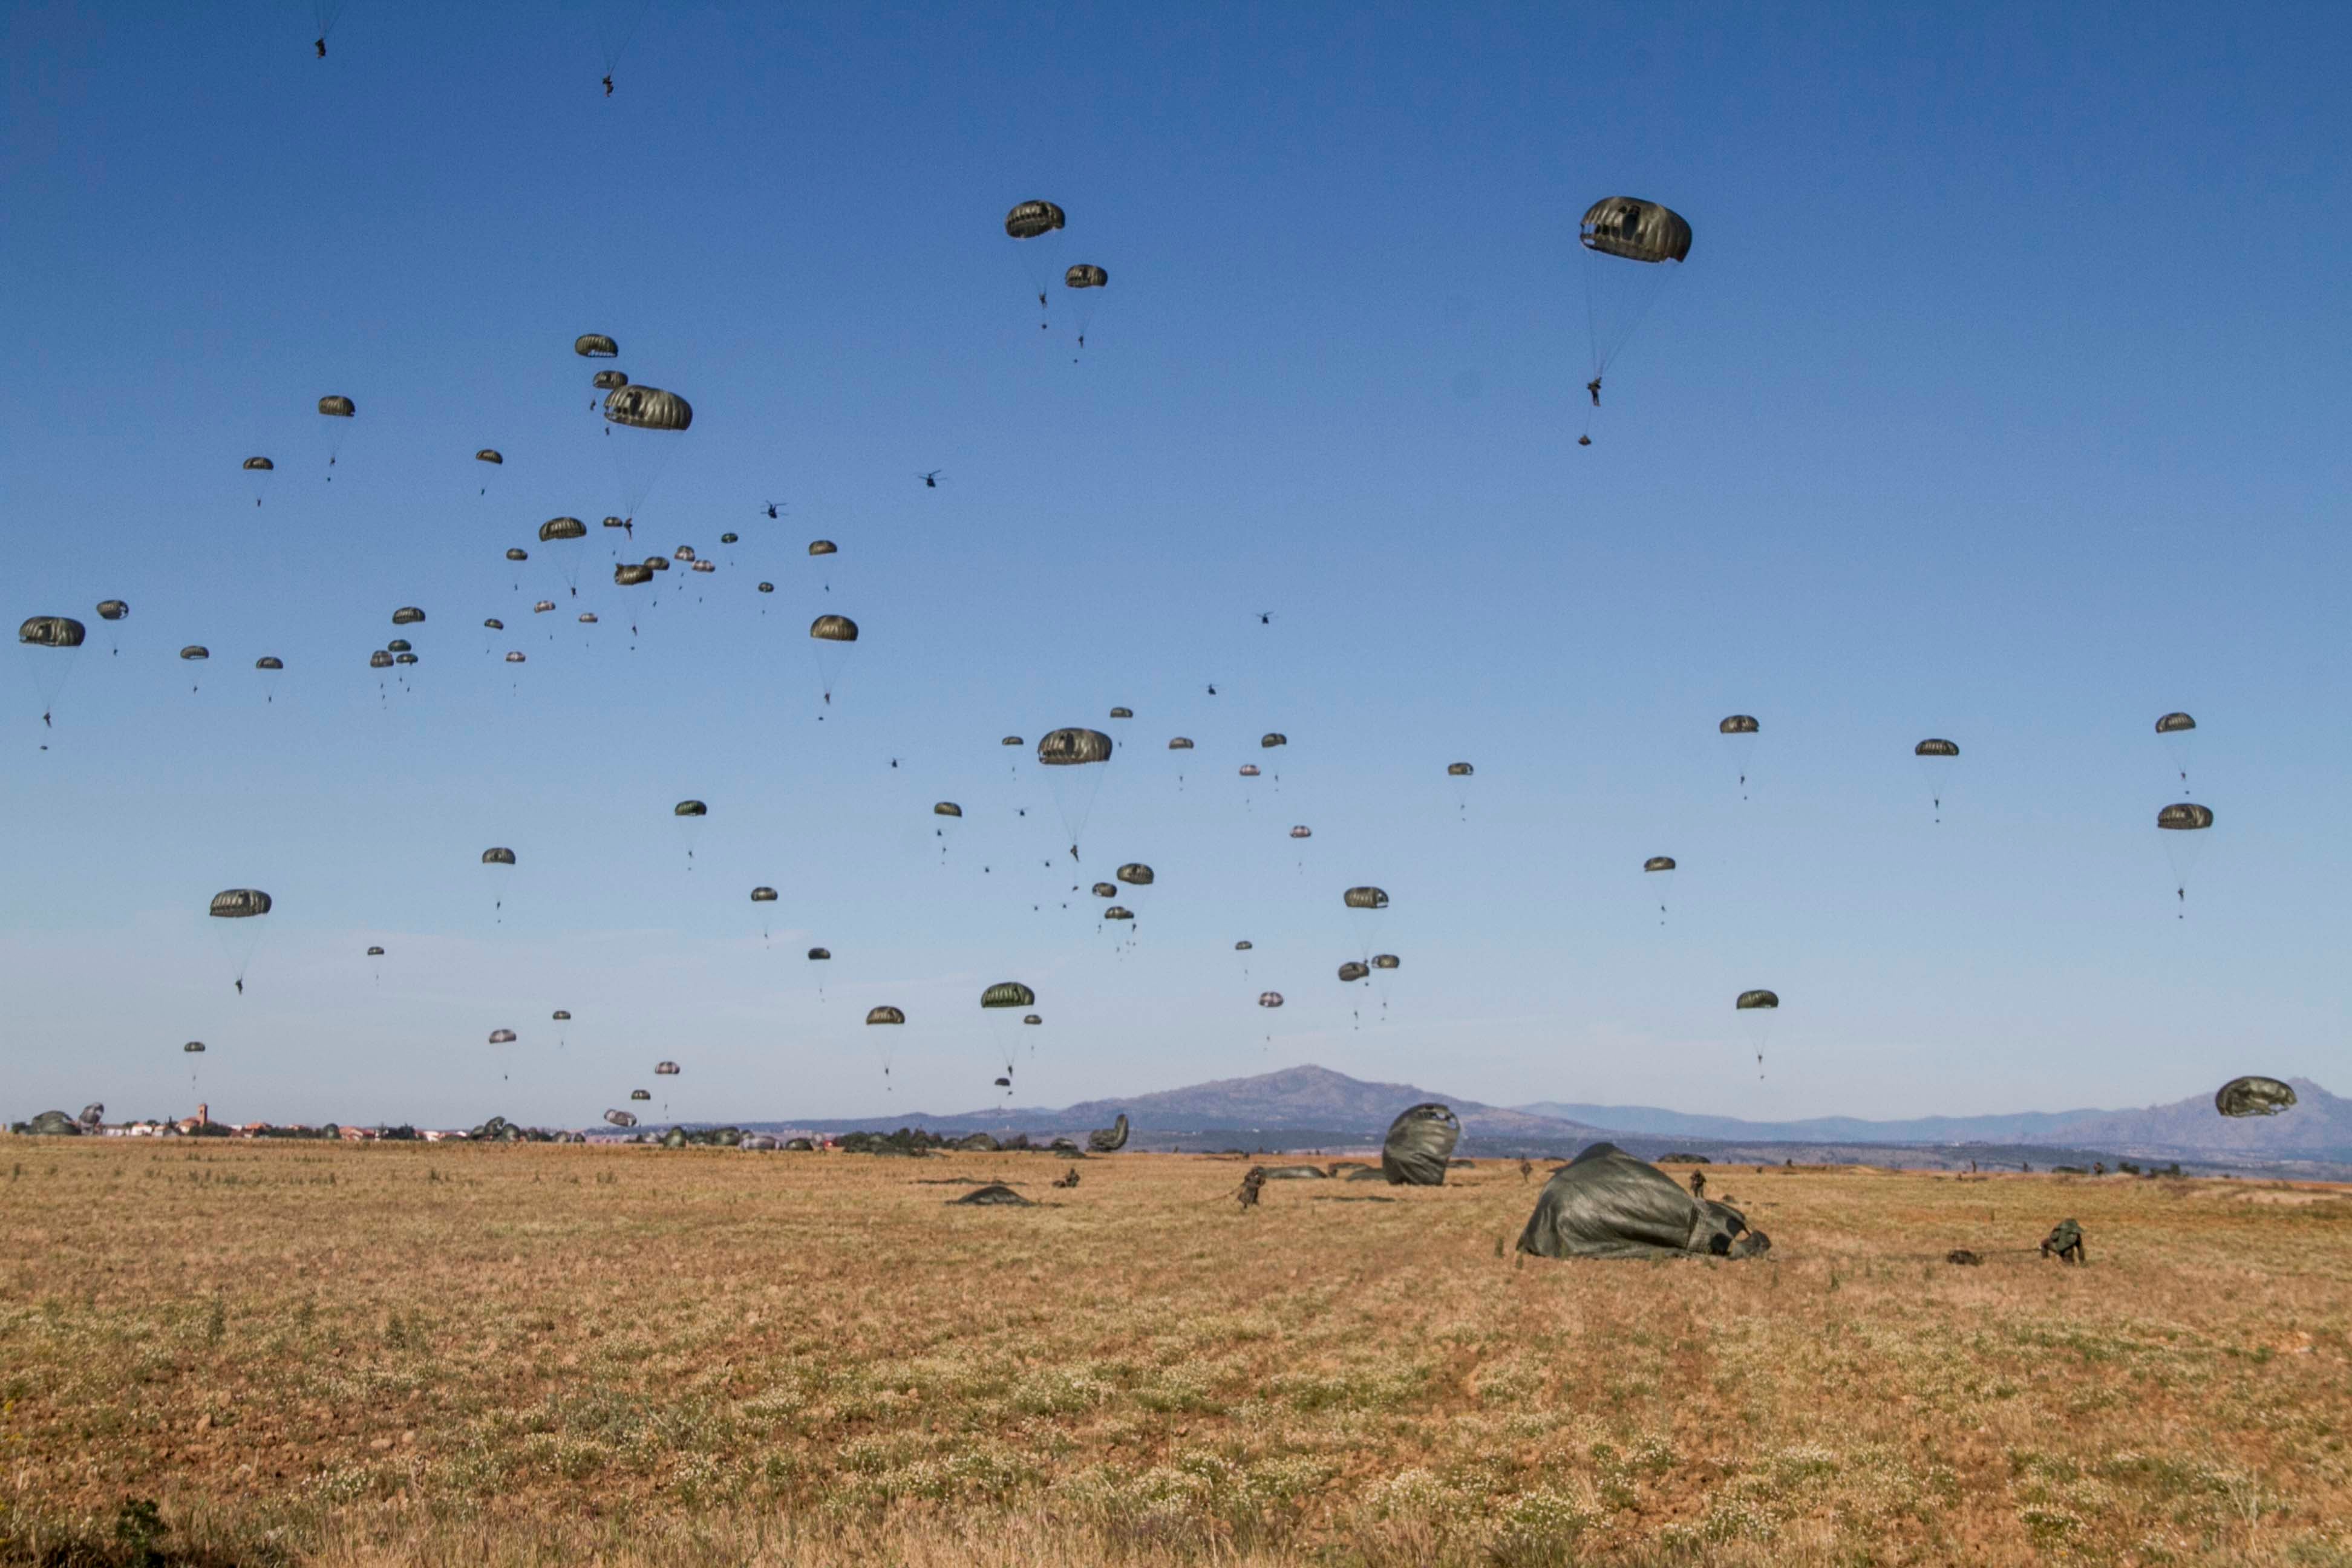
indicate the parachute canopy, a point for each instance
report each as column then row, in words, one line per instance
column 689, row 808
column 498, row 855
column 620, row 1118
column 563, row 528
column 2173, row 723
column 194, row 1048
column 239, row 903
column 1659, row 863
column 112, row 610
column 1365, row 899
column 516, row 655
column 1607, row 1204
column 494, row 624
column 1635, row 230
column 641, row 1094
column 379, row 659
column 1935, row 748
column 397, row 644
column 824, row 547
column 666, row 1069
column 1352, row 972
column 1272, row 739
column 1752, row 1000
column 269, row 661
column 1249, row 770
column 561, row 1015
column 648, row 408
column 1030, row 220
column 1244, row 946
column 1085, row 275
column 260, row 465
column 1269, row 999
column 1739, row 724
column 1459, row 770
column 607, row 380
column 594, row 345
column 628, row 573
column 1013, row 741
column 375, row 953
column 489, row 455
column 947, row 809
column 1386, row 961
column 820, row 954
column 1180, row 743
column 1067, row 748
column 767, row 588
column 2254, row 1097
column 517, row 552
column 1302, row 831
column 1122, row 713
column 1119, row 912
column 1008, row 993
column 336, row 408
column 1419, row 1140
column 885, row 1016
column 52, row 631
column 406, row 615
column 1106, row 889
column 834, row 628
column 2187, row 817
column 764, row 895
column 1136, row 874
column 502, row 1036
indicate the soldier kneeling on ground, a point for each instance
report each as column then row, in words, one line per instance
column 2064, row 1241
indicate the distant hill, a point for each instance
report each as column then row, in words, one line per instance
column 2318, row 1128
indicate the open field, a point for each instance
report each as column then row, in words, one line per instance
column 385, row 1354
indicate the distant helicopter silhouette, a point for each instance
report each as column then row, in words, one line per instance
column 1265, row 618
column 931, row 480
column 770, row 507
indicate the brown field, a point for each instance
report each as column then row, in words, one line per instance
column 450, row 1354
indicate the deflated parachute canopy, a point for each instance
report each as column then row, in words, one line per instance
column 563, row 528
column 239, row 903
column 1635, row 230
column 1108, row 1140
column 52, row 631
column 648, row 408
column 1067, row 747
column 1030, row 220
column 1008, row 993
column 1607, row 1204
column 594, row 345
column 2254, row 1097
column 1420, row 1142
column 885, row 1016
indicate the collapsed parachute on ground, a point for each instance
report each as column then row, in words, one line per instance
column 643, row 407
column 1419, row 1140
column 1607, row 1204
column 2254, row 1096
column 595, row 345
column 1108, row 1140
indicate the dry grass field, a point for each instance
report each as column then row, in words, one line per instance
column 447, row 1354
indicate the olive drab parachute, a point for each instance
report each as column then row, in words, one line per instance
column 50, row 641
column 1119, row 912
column 397, row 644
column 1269, row 999
column 620, row 1118
column 1419, row 1143
column 1087, row 281
column 1008, row 993
column 1032, row 1019
column 258, row 466
column 375, row 953
column 257, row 471
column 1084, row 276
column 666, row 1069
column 2254, row 1096
column 502, row 1036
column 1106, row 889
column 764, row 895
column 1027, row 223
column 689, row 815
column 641, row 1094
column 824, row 547
column 607, row 380
column 1365, row 899
column 643, row 426
column 1459, row 770
column 1068, row 753
column 1742, row 731
column 563, row 528
column 408, row 615
column 194, row 1048
column 643, row 407
column 885, row 1045
column 112, row 610
column 517, row 552
column 885, row 1016
column 1386, row 961
column 595, row 345
column 767, row 588
column 705, row 566
column 947, row 809
column 1244, row 946
column 1761, row 1008
column 1630, row 247
column 1302, row 831
column 494, row 624
column 516, row 655
column 831, row 636
column 2178, row 734
column 1272, row 739
column 239, row 910
column 2184, row 825
column 683, row 553
column 1934, row 756
column 1249, row 770
column 489, row 455
column 1122, row 713
column 729, row 538
column 269, row 661
column 380, row 659
column 819, row 955
column 411, row 658
column 337, row 408
column 1136, row 875
column 1180, row 743
column 561, row 1015
column 628, row 573
column 1352, row 972
column 1661, row 865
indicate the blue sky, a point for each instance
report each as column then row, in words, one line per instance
column 2001, row 399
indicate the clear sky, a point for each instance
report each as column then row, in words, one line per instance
column 2001, row 399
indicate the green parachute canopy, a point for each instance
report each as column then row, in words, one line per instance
column 2173, row 723
column 1607, row 1204
column 764, row 895
column 1180, row 743
column 1352, row 972
column 1085, row 275
column 1122, row 713
column 1659, row 863
column 406, row 615
column 112, row 610
column 52, row 631
column 1067, row 747
column 497, row 856
column 1030, row 220
column 336, row 408
column 1269, row 999
column 1739, row 724
column 1365, row 899
column 885, row 1016
column 269, row 661
column 1635, row 230
column 1008, row 993
column 1752, row 1000
column 259, row 465
column 643, row 407
column 1420, row 1142
column 2254, row 1097
column 824, row 547
column 689, row 808
column 834, row 628
column 563, row 528
column 594, row 345
column 1459, row 770
column 947, row 809
column 1935, row 748
column 607, row 380
column 1136, row 874
column 239, row 903
column 489, row 455
column 819, row 955
column 2185, row 817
